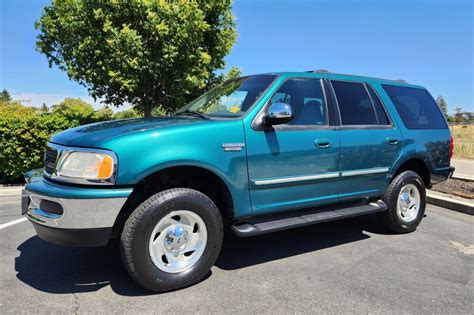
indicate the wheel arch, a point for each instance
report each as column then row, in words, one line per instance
column 417, row 165
column 190, row 176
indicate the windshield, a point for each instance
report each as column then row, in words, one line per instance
column 230, row 99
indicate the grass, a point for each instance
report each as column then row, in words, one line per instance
column 463, row 141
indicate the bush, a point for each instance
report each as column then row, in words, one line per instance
column 128, row 113
column 23, row 136
column 24, row 131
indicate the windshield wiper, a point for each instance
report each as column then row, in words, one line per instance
column 188, row 112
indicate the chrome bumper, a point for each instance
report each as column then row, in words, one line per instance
column 71, row 213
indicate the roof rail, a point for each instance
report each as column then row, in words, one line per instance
column 354, row 75
column 319, row 71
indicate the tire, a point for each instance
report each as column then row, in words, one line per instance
column 137, row 248
column 394, row 217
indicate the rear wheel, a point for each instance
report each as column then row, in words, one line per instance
column 406, row 201
column 172, row 239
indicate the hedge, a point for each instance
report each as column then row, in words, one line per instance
column 23, row 135
column 24, row 131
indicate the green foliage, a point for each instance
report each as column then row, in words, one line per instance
column 158, row 112
column 23, row 135
column 105, row 113
column 128, row 113
column 5, row 96
column 24, row 131
column 442, row 105
column 147, row 53
column 458, row 114
column 75, row 109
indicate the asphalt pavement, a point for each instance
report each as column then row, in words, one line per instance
column 349, row 266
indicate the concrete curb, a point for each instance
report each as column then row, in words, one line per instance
column 465, row 178
column 450, row 203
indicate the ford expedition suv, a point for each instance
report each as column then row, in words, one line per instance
column 257, row 154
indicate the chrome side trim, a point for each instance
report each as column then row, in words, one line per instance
column 283, row 180
column 375, row 170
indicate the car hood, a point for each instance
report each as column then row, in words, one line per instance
column 93, row 135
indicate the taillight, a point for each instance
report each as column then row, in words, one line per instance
column 451, row 147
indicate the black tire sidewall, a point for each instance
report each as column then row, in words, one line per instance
column 402, row 180
column 150, row 275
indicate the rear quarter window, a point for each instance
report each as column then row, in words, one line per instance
column 416, row 107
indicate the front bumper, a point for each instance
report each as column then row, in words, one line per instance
column 74, row 216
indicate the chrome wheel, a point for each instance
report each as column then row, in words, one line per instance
column 409, row 202
column 178, row 241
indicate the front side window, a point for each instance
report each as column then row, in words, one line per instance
column 306, row 98
column 354, row 103
column 416, row 107
column 230, row 99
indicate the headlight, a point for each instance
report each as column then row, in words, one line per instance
column 86, row 165
column 80, row 165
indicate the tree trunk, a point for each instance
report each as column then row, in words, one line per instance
column 147, row 110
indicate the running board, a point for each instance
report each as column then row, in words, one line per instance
column 251, row 229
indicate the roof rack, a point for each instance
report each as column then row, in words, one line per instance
column 354, row 75
column 319, row 71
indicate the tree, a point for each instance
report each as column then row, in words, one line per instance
column 105, row 113
column 44, row 108
column 128, row 113
column 75, row 110
column 442, row 105
column 458, row 114
column 5, row 96
column 147, row 53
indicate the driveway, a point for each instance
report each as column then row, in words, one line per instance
column 349, row 266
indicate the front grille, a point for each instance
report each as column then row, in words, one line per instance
column 50, row 160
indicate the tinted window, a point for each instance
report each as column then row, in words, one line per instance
column 306, row 97
column 416, row 107
column 381, row 115
column 354, row 103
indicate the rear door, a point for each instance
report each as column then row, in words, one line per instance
column 370, row 142
column 294, row 165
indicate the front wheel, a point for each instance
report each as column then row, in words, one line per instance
column 406, row 201
column 172, row 239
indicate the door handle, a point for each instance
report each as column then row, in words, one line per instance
column 392, row 140
column 322, row 143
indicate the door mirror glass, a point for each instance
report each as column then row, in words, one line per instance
column 278, row 113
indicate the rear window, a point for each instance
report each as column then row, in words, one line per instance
column 416, row 107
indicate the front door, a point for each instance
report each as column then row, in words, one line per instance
column 294, row 165
column 370, row 143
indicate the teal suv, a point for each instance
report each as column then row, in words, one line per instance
column 257, row 154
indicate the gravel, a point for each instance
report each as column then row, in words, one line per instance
column 456, row 187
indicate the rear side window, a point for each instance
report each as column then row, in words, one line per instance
column 416, row 107
column 354, row 103
column 381, row 115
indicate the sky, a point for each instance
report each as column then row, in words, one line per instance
column 426, row 42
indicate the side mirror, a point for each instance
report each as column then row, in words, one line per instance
column 278, row 113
